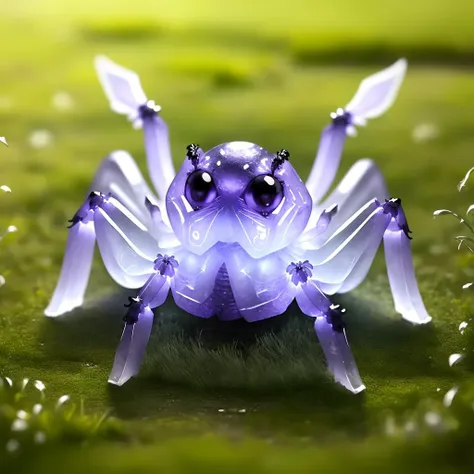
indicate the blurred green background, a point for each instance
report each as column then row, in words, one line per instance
column 267, row 72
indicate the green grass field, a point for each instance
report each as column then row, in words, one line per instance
column 271, row 76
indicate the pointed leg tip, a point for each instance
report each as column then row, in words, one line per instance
column 119, row 380
column 359, row 389
column 355, row 389
column 54, row 312
column 417, row 321
column 116, row 381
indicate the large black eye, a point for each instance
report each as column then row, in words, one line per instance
column 264, row 193
column 200, row 188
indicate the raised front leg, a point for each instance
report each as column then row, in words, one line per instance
column 126, row 96
column 375, row 95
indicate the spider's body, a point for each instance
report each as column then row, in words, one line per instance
column 236, row 233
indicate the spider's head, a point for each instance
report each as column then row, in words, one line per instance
column 240, row 193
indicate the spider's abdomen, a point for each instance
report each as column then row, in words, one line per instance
column 223, row 297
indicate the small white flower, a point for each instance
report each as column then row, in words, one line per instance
column 454, row 358
column 39, row 385
column 62, row 400
column 463, row 325
column 449, row 396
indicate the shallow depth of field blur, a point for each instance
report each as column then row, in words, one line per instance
column 228, row 396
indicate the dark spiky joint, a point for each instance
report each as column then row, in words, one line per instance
column 192, row 153
column 281, row 156
column 150, row 109
column 135, row 307
column 393, row 206
column 335, row 319
column 341, row 118
column 93, row 201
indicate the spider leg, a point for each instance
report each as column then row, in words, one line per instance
column 158, row 153
column 127, row 249
column 138, row 325
column 344, row 260
column 126, row 96
column 362, row 182
column 75, row 270
column 119, row 176
column 374, row 96
column 327, row 160
column 331, row 333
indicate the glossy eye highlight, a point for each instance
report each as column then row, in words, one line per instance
column 264, row 193
column 200, row 189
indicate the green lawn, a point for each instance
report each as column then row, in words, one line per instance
column 257, row 75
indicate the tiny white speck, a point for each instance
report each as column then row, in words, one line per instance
column 12, row 445
column 40, row 437
column 62, row 101
column 9, row 381
column 2, row 280
column 37, row 409
column 390, row 427
column 218, row 163
column 11, row 229
column 242, row 410
column 466, row 286
column 5, row 188
column 449, row 396
column 438, row 249
column 425, row 132
column 40, row 138
column 195, row 235
column 454, row 358
column 222, row 151
column 4, row 141
column 22, row 415
column 5, row 103
column 221, row 410
column 246, row 166
column 410, row 427
column 433, row 419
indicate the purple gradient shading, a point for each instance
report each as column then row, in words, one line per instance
column 401, row 275
column 76, row 268
column 338, row 355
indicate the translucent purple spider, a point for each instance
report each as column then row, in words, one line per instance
column 236, row 233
